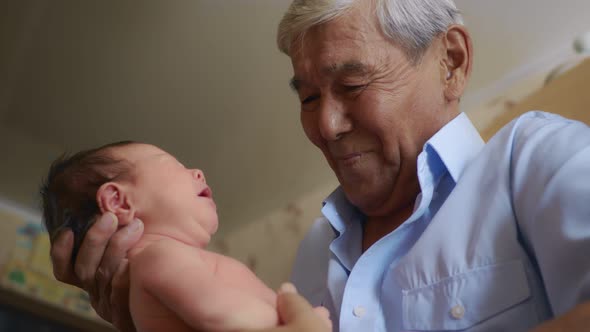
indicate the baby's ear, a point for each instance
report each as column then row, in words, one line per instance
column 112, row 197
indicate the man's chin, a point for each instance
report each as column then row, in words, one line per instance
column 360, row 200
column 368, row 199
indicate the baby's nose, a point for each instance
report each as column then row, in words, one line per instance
column 198, row 175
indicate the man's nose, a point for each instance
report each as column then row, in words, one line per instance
column 334, row 121
column 198, row 175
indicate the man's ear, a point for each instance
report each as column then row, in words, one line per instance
column 113, row 197
column 457, row 61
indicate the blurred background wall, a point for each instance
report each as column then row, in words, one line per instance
column 203, row 79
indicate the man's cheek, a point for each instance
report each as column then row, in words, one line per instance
column 312, row 133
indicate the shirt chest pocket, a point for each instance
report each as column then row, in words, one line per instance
column 478, row 297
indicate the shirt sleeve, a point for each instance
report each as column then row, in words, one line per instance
column 550, row 179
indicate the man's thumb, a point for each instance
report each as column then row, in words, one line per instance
column 291, row 305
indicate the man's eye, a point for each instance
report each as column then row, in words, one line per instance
column 309, row 100
column 354, row 88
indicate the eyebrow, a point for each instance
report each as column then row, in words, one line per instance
column 350, row 67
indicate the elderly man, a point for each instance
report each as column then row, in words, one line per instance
column 430, row 229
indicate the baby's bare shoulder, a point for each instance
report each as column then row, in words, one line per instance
column 165, row 257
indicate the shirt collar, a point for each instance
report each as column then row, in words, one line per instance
column 456, row 144
column 339, row 211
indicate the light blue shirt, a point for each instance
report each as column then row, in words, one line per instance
column 499, row 239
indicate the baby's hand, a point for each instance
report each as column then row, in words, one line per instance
column 324, row 315
column 297, row 315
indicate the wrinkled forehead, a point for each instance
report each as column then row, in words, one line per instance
column 338, row 49
column 351, row 42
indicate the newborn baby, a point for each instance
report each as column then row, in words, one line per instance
column 175, row 284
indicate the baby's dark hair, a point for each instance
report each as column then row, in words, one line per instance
column 68, row 193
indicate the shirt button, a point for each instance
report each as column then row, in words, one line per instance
column 359, row 311
column 457, row 312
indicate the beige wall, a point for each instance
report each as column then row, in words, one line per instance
column 566, row 95
column 22, row 156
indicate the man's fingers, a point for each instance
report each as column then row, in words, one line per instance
column 577, row 319
column 116, row 251
column 125, row 238
column 291, row 305
column 120, row 287
column 61, row 257
column 296, row 314
column 322, row 312
column 92, row 249
column 121, row 317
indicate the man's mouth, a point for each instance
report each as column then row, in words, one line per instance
column 349, row 158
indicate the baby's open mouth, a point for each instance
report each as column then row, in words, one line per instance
column 206, row 193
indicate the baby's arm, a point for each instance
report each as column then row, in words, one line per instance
column 236, row 274
column 185, row 283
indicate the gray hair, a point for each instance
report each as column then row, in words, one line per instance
column 412, row 24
